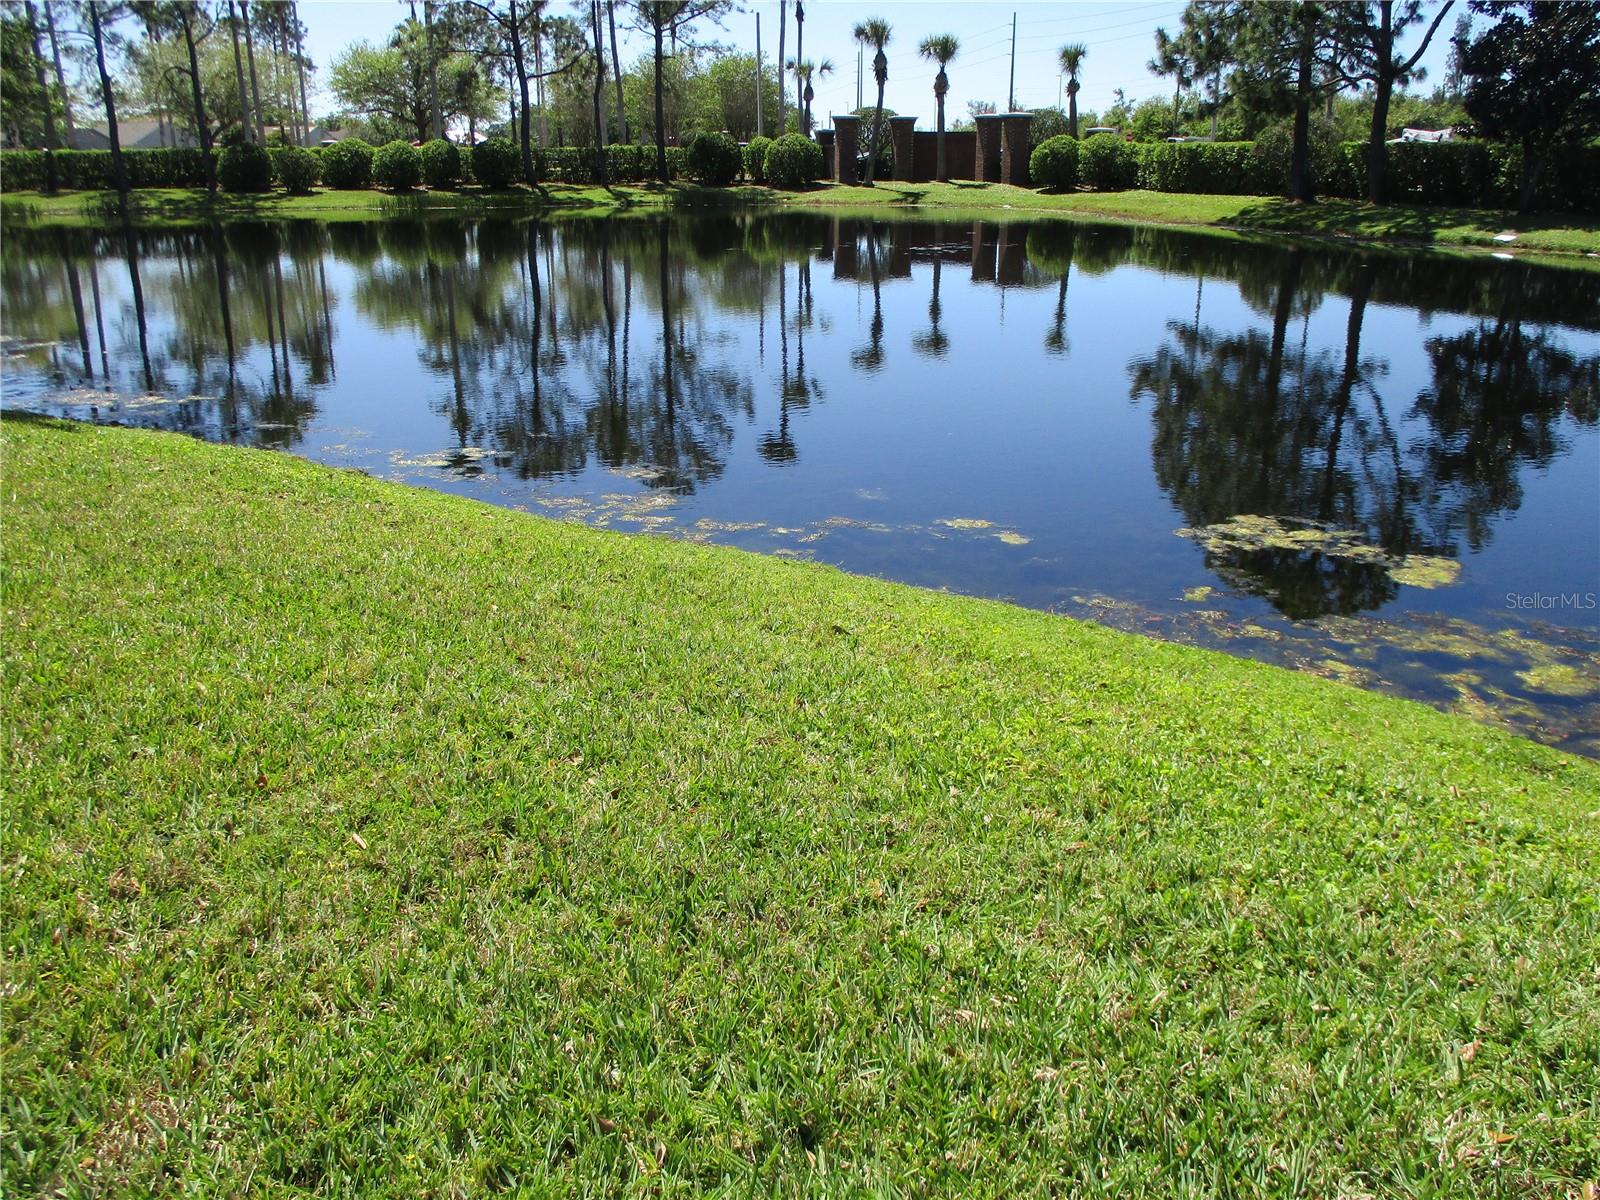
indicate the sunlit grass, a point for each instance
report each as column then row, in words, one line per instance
column 1550, row 234
column 368, row 841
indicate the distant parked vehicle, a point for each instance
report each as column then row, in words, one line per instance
column 1094, row 129
column 1424, row 135
column 1179, row 139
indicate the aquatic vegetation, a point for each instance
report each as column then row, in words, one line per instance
column 1561, row 679
column 455, row 456
column 1246, row 533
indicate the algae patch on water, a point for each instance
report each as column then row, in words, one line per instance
column 1559, row 679
column 1248, row 533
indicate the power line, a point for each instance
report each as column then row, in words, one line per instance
column 1147, row 22
column 1055, row 21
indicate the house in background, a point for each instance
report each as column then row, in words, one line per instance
column 138, row 133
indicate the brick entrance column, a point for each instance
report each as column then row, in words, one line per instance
column 902, row 137
column 846, row 147
column 1014, row 150
column 986, row 165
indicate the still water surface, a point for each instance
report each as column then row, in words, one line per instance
column 1071, row 417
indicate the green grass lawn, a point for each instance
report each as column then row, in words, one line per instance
column 1552, row 235
column 367, row 841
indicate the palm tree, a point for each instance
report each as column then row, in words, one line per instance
column 1172, row 58
column 1071, row 59
column 803, row 74
column 940, row 48
column 874, row 32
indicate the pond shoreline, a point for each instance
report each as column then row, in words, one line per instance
column 478, row 808
column 1568, row 240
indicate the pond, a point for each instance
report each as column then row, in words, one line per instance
column 1380, row 467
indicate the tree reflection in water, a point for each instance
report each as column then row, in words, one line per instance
column 1244, row 426
column 547, row 350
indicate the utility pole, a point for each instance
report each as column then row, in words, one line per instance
column 761, row 128
column 1011, row 101
column 861, row 52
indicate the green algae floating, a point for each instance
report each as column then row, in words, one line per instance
column 1559, row 679
column 1248, row 532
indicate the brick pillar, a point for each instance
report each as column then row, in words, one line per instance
column 902, row 137
column 846, row 147
column 986, row 163
column 1014, row 151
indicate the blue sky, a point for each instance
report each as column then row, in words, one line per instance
column 1119, row 35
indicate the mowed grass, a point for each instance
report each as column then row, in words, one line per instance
column 1571, row 238
column 365, row 841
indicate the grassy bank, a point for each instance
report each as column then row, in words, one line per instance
column 1558, row 234
column 370, row 841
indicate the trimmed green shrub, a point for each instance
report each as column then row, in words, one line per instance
column 1108, row 164
column 755, row 159
column 1275, row 147
column 1216, row 168
column 347, row 164
column 714, row 159
column 624, row 164
column 397, row 165
column 90, row 170
column 23, row 170
column 793, row 161
column 441, row 163
column 296, row 169
column 496, row 163
column 1054, row 163
column 245, row 168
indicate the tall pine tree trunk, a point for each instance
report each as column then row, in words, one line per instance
column 661, row 107
column 519, row 61
column 61, row 77
column 616, row 71
column 1301, row 185
column 186, row 17
column 50, row 146
column 238, row 75
column 599, row 93
column 255, row 86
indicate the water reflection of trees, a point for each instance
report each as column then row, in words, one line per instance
column 1251, row 423
column 241, row 336
column 557, row 347
column 551, row 345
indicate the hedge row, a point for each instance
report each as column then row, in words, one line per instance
column 1472, row 174
column 1476, row 174
column 624, row 164
column 90, row 170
